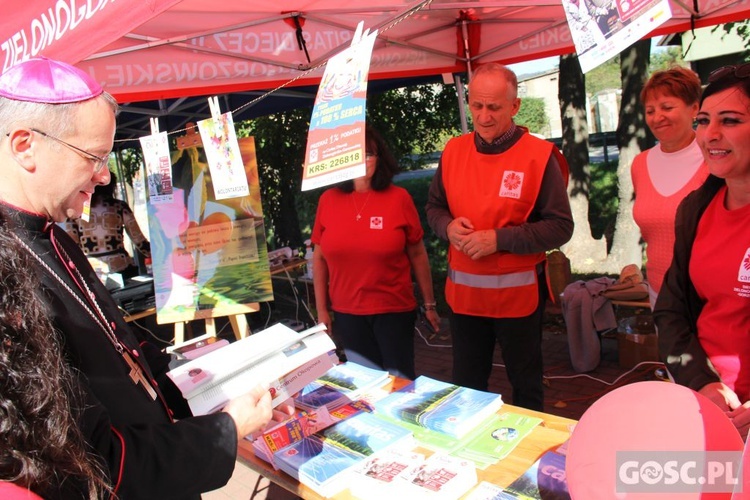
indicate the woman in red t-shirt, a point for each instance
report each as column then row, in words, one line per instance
column 703, row 309
column 368, row 239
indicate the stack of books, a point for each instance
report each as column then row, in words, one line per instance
column 282, row 434
column 341, row 384
column 325, row 461
column 440, row 406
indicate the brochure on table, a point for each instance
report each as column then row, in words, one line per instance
column 325, row 460
column 440, row 406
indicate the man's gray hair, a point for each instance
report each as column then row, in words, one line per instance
column 54, row 119
column 502, row 71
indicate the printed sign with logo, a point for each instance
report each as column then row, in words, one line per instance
column 336, row 139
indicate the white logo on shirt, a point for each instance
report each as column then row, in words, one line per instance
column 744, row 274
column 376, row 222
column 511, row 185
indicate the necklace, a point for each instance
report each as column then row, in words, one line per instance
column 136, row 372
column 357, row 209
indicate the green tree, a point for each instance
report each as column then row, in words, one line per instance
column 280, row 145
column 604, row 76
column 631, row 140
column 665, row 59
column 532, row 115
column 415, row 121
column 583, row 250
column 742, row 29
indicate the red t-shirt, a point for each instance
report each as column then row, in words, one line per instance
column 369, row 270
column 720, row 271
column 11, row 491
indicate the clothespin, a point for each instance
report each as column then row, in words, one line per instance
column 154, row 125
column 213, row 105
column 359, row 34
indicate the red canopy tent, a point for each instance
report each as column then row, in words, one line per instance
column 156, row 49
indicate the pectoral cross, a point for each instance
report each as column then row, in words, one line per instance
column 137, row 375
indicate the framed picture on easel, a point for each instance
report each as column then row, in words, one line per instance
column 209, row 255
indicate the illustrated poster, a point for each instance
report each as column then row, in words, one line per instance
column 158, row 167
column 209, row 255
column 601, row 29
column 223, row 155
column 336, row 139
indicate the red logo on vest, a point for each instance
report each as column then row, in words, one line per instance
column 376, row 223
column 511, row 185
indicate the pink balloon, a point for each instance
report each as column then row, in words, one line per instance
column 643, row 417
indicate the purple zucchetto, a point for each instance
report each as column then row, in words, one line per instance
column 46, row 81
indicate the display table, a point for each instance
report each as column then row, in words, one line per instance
column 552, row 432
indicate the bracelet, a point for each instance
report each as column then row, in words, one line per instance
column 429, row 306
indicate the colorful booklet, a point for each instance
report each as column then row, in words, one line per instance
column 384, row 475
column 325, row 461
column 342, row 383
column 290, row 431
column 440, row 406
column 496, row 438
column 543, row 480
column 440, row 477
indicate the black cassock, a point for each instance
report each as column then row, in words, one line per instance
column 151, row 449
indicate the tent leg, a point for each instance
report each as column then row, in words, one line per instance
column 461, row 94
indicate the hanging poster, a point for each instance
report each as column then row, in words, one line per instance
column 158, row 167
column 601, row 29
column 223, row 155
column 209, row 255
column 336, row 139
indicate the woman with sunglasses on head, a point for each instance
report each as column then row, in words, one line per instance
column 665, row 174
column 368, row 240
column 703, row 309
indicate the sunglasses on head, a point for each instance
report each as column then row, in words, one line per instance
column 740, row 71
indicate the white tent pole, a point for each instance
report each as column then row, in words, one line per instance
column 461, row 94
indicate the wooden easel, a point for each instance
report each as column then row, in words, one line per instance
column 238, row 321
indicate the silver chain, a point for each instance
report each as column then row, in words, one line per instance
column 101, row 320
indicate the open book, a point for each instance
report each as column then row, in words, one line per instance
column 278, row 356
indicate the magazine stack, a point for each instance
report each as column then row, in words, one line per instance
column 440, row 406
column 341, row 384
column 326, row 460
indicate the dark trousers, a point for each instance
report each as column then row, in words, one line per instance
column 382, row 341
column 520, row 340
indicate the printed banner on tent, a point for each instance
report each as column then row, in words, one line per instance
column 158, row 167
column 601, row 29
column 223, row 155
column 336, row 139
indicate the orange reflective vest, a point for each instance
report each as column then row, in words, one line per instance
column 493, row 191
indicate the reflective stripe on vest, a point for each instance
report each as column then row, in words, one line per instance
column 511, row 280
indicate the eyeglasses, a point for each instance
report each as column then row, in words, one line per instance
column 99, row 161
column 740, row 72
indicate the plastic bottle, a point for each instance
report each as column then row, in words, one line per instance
column 149, row 268
column 309, row 259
